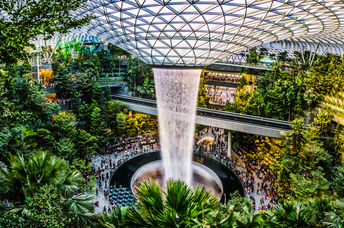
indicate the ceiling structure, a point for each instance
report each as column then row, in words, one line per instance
column 321, row 46
column 200, row 32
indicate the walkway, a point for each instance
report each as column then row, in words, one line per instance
column 221, row 119
column 250, row 175
column 103, row 162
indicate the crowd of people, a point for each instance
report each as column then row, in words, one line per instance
column 217, row 148
column 220, row 95
column 258, row 181
column 222, row 77
column 132, row 144
column 118, row 153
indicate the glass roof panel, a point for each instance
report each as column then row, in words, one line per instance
column 211, row 28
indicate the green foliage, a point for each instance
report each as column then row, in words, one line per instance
column 45, row 209
column 76, row 79
column 39, row 139
column 87, row 87
column 278, row 94
column 66, row 148
column 65, row 87
column 147, row 89
column 140, row 78
column 304, row 187
column 86, row 143
column 289, row 214
column 114, row 117
column 139, row 123
column 338, row 181
column 64, row 125
column 335, row 218
column 296, row 136
column 203, row 99
column 327, row 75
column 306, row 163
column 10, row 220
column 47, row 189
column 25, row 112
column 28, row 19
column 181, row 206
column 283, row 56
column 113, row 219
column 85, row 169
column 98, row 126
column 254, row 56
column 121, row 124
column 24, row 178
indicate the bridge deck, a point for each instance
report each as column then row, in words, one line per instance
column 209, row 117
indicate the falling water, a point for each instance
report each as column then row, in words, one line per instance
column 176, row 92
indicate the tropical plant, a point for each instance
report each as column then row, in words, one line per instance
column 27, row 177
column 27, row 19
column 247, row 218
column 335, row 218
column 316, row 209
column 178, row 206
column 48, row 208
column 289, row 214
column 114, row 219
column 203, row 99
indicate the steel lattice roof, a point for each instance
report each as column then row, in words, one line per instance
column 200, row 32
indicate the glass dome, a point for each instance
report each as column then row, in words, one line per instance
column 200, row 32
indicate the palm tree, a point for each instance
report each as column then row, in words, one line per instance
column 26, row 177
column 43, row 170
column 81, row 208
column 72, row 210
column 113, row 219
column 317, row 209
column 221, row 216
column 335, row 218
column 289, row 214
column 246, row 217
column 178, row 206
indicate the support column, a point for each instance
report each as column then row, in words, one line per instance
column 38, row 68
column 229, row 153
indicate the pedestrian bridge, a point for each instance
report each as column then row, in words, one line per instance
column 215, row 118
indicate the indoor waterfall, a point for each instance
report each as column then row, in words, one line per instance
column 176, row 93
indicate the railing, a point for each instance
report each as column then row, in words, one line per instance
column 195, row 152
column 113, row 74
column 111, row 80
column 232, row 116
column 223, row 163
column 130, row 156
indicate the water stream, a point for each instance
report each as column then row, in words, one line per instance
column 176, row 92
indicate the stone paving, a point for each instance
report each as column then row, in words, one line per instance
column 104, row 185
column 100, row 197
column 257, row 196
column 239, row 165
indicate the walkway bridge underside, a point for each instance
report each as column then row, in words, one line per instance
column 221, row 119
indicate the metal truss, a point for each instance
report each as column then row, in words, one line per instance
column 200, row 32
